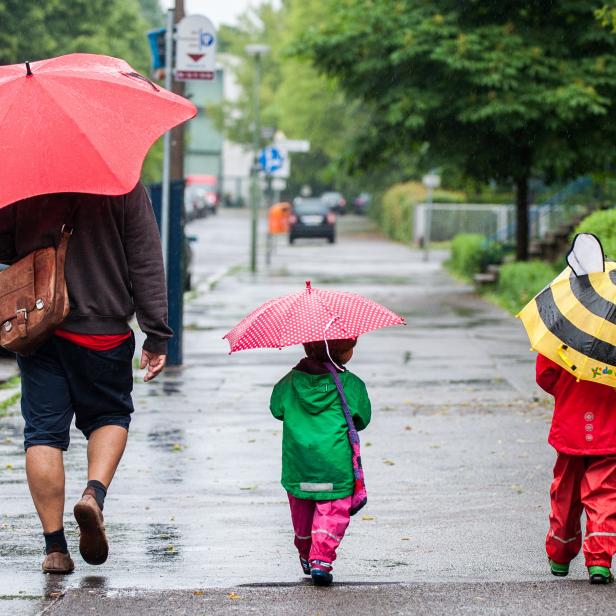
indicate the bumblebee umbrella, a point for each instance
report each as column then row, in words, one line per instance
column 573, row 320
column 79, row 123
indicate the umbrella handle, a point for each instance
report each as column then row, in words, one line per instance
column 565, row 358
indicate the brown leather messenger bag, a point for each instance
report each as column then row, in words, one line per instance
column 33, row 296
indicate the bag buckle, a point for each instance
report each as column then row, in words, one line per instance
column 24, row 311
column 67, row 230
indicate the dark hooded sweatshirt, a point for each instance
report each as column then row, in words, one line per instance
column 114, row 266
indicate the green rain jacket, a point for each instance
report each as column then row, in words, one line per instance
column 316, row 453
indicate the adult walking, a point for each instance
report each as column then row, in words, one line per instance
column 114, row 269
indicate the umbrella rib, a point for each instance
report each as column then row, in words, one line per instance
column 85, row 135
column 335, row 317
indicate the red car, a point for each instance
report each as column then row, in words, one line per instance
column 201, row 195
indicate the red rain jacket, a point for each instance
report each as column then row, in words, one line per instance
column 584, row 421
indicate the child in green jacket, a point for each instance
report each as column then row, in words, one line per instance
column 317, row 468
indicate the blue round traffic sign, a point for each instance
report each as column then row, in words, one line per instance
column 270, row 159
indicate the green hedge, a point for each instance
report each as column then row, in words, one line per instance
column 395, row 211
column 603, row 225
column 466, row 254
column 519, row 282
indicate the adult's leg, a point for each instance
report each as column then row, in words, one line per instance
column 599, row 498
column 330, row 521
column 105, row 449
column 45, row 472
column 564, row 538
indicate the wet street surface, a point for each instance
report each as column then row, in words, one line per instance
column 456, row 459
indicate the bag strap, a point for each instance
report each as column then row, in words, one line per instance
column 353, row 435
column 67, row 231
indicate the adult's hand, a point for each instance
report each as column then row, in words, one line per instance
column 153, row 362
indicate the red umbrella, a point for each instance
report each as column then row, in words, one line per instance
column 308, row 316
column 79, row 123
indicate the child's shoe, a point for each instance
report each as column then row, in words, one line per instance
column 305, row 565
column 320, row 574
column 558, row 569
column 600, row 575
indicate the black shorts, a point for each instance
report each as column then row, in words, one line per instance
column 63, row 379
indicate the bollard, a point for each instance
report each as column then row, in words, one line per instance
column 175, row 264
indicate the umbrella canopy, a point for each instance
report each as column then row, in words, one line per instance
column 573, row 320
column 310, row 315
column 79, row 123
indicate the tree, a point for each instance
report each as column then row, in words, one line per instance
column 506, row 90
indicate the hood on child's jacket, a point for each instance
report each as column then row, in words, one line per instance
column 315, row 392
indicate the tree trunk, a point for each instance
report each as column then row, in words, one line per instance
column 521, row 200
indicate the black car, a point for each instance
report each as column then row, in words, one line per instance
column 311, row 218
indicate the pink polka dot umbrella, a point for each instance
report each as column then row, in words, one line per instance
column 310, row 315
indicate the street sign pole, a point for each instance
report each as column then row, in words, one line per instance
column 257, row 51
column 164, row 217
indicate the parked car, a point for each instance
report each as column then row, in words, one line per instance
column 335, row 201
column 201, row 196
column 361, row 203
column 311, row 217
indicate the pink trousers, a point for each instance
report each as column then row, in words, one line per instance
column 319, row 528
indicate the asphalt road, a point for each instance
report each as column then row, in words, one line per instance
column 456, row 460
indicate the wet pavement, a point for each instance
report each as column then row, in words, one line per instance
column 456, row 459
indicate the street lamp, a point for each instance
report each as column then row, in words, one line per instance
column 257, row 51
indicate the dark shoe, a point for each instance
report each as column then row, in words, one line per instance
column 600, row 575
column 305, row 565
column 559, row 569
column 321, row 578
column 58, row 562
column 92, row 539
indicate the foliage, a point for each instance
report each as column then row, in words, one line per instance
column 302, row 103
column 607, row 15
column 603, row 225
column 466, row 254
column 394, row 211
column 519, row 282
column 505, row 90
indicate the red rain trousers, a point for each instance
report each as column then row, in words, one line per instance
column 583, row 483
column 319, row 528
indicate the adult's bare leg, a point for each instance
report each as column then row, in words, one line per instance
column 105, row 448
column 45, row 472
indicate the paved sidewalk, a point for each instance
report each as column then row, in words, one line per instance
column 456, row 460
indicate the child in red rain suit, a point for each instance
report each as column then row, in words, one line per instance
column 583, row 433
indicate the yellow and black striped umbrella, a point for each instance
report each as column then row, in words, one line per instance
column 573, row 320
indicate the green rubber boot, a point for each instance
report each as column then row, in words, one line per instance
column 600, row 575
column 559, row 569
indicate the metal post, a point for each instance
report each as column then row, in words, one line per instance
column 164, row 216
column 255, row 196
column 428, row 225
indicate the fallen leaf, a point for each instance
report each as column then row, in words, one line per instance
column 233, row 596
column 408, row 427
column 367, row 518
column 389, row 462
column 9, row 467
column 198, row 593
